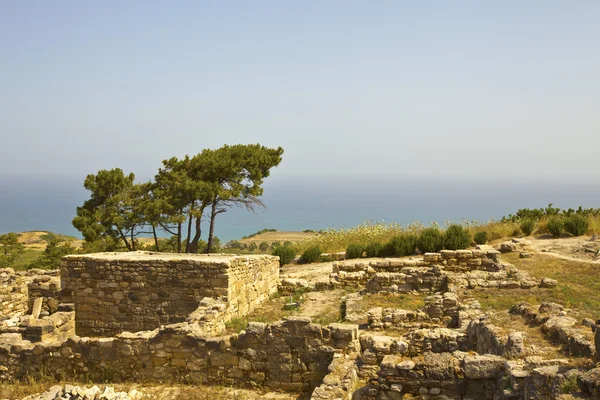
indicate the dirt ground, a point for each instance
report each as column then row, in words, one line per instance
column 279, row 237
column 584, row 248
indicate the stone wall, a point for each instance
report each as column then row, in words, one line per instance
column 576, row 339
column 292, row 355
column 449, row 270
column 15, row 297
column 136, row 291
column 48, row 289
column 486, row 338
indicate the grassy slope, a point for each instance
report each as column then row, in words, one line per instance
column 578, row 285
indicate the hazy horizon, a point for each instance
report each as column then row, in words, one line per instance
column 429, row 89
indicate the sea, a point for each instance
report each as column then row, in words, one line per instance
column 299, row 203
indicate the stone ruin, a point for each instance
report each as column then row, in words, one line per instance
column 160, row 317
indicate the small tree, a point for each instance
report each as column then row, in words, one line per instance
column 527, row 226
column 456, row 237
column 430, row 240
column 10, row 248
column 52, row 255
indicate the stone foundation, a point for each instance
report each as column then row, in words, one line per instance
column 136, row 291
column 292, row 355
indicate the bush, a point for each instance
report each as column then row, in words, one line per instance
column 456, row 237
column 480, row 237
column 263, row 246
column 400, row 246
column 576, row 225
column 555, row 226
column 252, row 247
column 373, row 249
column 527, row 226
column 310, row 255
column 354, row 251
column 430, row 240
column 285, row 253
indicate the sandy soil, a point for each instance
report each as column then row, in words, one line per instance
column 583, row 248
column 279, row 237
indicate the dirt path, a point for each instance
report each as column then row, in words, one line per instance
column 575, row 248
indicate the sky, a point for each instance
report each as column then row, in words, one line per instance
column 348, row 88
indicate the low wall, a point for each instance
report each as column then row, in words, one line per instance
column 575, row 339
column 292, row 355
column 48, row 289
column 15, row 297
column 486, row 338
column 137, row 291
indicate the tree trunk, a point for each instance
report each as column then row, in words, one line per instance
column 189, row 229
column 155, row 238
column 179, row 237
column 213, row 214
column 132, row 240
column 198, row 234
column 125, row 240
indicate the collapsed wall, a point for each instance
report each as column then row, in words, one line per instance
column 293, row 354
column 136, row 291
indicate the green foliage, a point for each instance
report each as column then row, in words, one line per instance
column 354, row 250
column 456, row 237
column 311, row 255
column 401, row 245
column 373, row 249
column 252, row 247
column 213, row 180
column 275, row 244
column 527, row 226
column 10, row 248
column 263, row 246
column 259, row 233
column 576, row 225
column 234, row 244
column 113, row 210
column 54, row 252
column 430, row 240
column 285, row 253
column 480, row 237
column 555, row 226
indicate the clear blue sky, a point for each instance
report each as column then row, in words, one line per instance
column 457, row 88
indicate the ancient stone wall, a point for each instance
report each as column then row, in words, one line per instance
column 116, row 292
column 15, row 297
column 45, row 287
column 293, row 355
column 449, row 270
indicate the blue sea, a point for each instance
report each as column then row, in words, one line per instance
column 299, row 203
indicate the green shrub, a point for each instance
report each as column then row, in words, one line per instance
column 527, row 226
column 263, row 246
column 310, row 255
column 285, row 253
column 400, row 246
column 373, row 249
column 555, row 226
column 480, row 237
column 252, row 247
column 456, row 237
column 430, row 240
column 354, row 251
column 576, row 225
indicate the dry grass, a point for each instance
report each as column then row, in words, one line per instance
column 578, row 281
